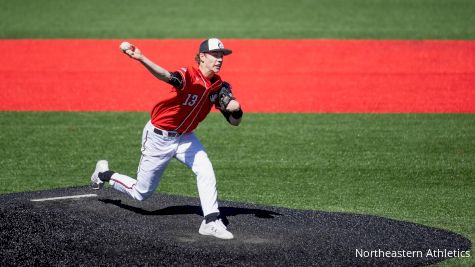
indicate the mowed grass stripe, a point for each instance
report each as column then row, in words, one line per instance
column 340, row 19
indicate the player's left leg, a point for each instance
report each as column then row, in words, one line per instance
column 191, row 152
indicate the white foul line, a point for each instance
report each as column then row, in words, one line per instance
column 66, row 197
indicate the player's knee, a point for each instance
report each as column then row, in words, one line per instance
column 206, row 177
column 142, row 196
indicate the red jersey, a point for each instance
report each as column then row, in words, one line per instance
column 183, row 109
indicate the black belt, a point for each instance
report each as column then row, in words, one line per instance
column 169, row 134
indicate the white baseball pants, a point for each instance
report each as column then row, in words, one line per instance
column 157, row 151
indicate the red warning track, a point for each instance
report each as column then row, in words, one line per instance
column 267, row 75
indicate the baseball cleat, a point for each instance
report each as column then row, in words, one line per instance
column 101, row 166
column 216, row 229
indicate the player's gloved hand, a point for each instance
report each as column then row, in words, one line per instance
column 226, row 99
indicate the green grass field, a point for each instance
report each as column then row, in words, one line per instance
column 413, row 167
column 342, row 19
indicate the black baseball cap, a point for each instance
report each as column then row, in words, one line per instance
column 213, row 44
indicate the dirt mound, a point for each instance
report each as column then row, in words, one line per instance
column 109, row 229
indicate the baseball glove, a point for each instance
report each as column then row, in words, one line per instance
column 225, row 96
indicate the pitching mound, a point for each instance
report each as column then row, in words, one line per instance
column 109, row 229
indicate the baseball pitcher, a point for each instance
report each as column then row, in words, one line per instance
column 169, row 133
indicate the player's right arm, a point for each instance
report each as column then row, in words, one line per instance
column 156, row 70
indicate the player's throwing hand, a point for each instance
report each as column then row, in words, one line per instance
column 131, row 50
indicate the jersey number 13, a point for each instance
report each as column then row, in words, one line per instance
column 190, row 100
